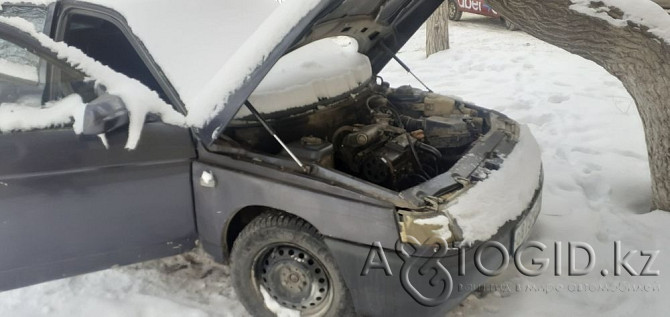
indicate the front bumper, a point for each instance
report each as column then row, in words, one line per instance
column 376, row 294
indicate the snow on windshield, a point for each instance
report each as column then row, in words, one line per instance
column 322, row 69
column 138, row 99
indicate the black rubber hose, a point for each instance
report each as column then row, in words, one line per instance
column 431, row 149
column 417, row 161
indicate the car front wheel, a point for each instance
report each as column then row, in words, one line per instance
column 280, row 263
column 454, row 13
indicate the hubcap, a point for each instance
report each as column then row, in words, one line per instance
column 294, row 279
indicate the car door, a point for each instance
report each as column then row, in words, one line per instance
column 71, row 204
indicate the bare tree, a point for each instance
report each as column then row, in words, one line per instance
column 628, row 50
column 437, row 30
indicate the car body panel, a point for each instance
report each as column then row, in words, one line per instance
column 337, row 212
column 378, row 294
column 102, row 207
column 69, row 205
column 477, row 7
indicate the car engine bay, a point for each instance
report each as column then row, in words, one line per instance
column 395, row 138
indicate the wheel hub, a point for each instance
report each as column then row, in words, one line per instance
column 293, row 278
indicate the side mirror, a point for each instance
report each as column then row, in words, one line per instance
column 104, row 114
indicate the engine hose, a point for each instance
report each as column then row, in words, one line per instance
column 431, row 149
column 337, row 140
column 417, row 161
column 412, row 124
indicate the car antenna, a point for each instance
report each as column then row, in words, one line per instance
column 274, row 134
column 403, row 65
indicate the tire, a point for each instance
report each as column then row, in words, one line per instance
column 510, row 26
column 283, row 252
column 454, row 13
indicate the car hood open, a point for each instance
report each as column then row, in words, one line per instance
column 381, row 28
column 214, row 53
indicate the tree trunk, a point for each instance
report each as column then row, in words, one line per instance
column 638, row 58
column 437, row 30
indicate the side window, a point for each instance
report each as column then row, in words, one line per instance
column 34, row 94
column 18, row 63
column 13, row 54
column 106, row 43
column 37, row 15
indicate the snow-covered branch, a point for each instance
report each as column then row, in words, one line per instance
column 644, row 14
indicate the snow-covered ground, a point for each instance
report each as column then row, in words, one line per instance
column 597, row 190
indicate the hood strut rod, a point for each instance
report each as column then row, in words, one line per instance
column 274, row 134
column 404, row 66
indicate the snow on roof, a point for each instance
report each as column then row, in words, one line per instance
column 642, row 12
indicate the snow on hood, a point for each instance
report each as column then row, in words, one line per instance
column 215, row 52
column 206, row 48
column 192, row 40
column 483, row 209
column 322, row 69
column 242, row 62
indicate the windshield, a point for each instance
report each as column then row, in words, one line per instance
column 319, row 70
